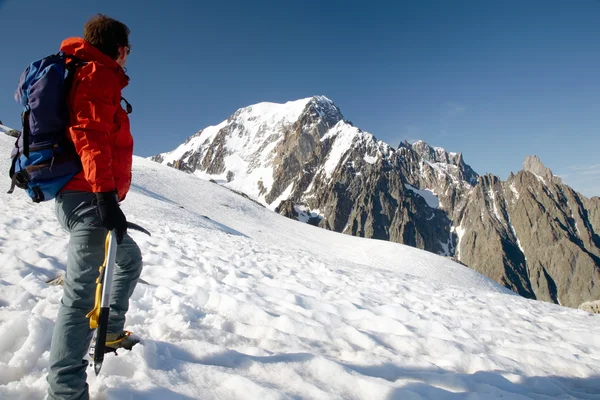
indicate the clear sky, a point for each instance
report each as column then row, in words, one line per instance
column 495, row 80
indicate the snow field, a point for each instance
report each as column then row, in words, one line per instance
column 240, row 303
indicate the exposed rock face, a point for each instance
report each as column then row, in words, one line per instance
column 560, row 244
column 591, row 307
column 487, row 241
column 592, row 209
column 301, row 151
column 531, row 233
column 451, row 182
column 434, row 155
column 534, row 165
column 287, row 209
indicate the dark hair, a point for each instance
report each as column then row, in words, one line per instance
column 106, row 34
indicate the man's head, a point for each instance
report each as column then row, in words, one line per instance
column 110, row 36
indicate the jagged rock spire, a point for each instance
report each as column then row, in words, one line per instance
column 534, row 165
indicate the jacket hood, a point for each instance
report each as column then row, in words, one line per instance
column 85, row 51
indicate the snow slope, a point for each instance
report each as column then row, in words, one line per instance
column 428, row 195
column 241, row 303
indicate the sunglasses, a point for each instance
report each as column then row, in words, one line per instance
column 128, row 50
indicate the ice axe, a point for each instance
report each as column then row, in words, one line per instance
column 99, row 315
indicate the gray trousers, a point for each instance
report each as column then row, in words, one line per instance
column 72, row 334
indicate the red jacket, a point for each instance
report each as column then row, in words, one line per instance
column 98, row 125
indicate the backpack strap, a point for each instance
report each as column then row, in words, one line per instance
column 12, row 186
column 38, row 194
column 26, row 130
column 13, row 181
column 11, row 172
column 18, row 179
column 71, row 65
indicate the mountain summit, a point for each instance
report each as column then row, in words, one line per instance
column 531, row 233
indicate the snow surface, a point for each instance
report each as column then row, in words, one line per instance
column 492, row 196
column 370, row 159
column 460, row 232
column 540, row 178
column 427, row 194
column 515, row 191
column 344, row 135
column 242, row 303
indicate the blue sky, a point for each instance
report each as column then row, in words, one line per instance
column 495, row 80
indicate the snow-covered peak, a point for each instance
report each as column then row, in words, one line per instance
column 320, row 108
column 246, row 128
column 271, row 114
column 274, row 114
column 244, row 151
column 254, row 124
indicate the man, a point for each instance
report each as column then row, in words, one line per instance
column 88, row 206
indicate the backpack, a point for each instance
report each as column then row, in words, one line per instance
column 44, row 158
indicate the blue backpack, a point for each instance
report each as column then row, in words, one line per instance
column 44, row 158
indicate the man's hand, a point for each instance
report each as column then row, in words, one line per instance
column 110, row 213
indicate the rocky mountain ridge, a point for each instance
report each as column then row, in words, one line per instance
column 531, row 233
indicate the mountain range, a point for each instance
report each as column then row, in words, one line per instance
column 531, row 233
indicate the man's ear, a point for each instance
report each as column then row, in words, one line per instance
column 121, row 58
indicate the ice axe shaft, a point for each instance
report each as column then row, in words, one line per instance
column 105, row 303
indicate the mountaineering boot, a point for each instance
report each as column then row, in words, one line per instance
column 114, row 341
column 123, row 340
